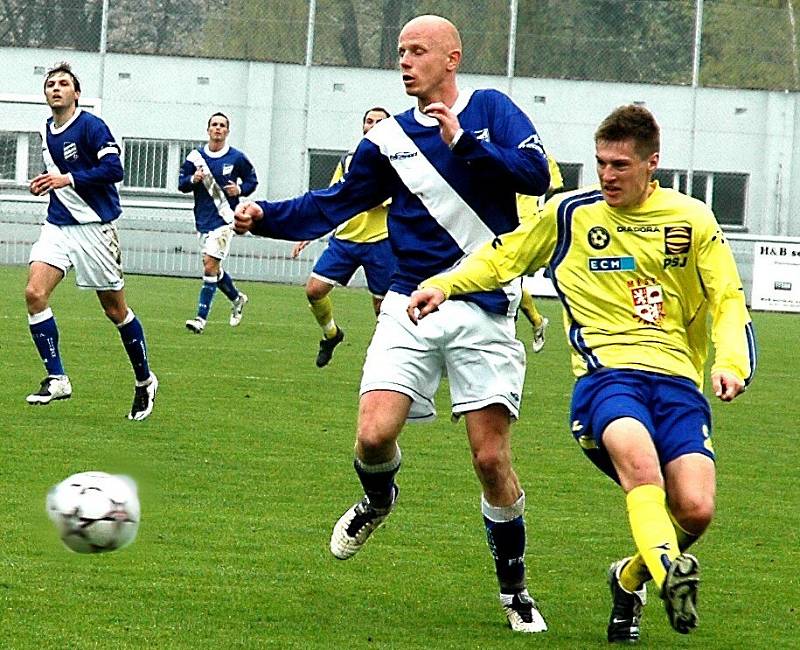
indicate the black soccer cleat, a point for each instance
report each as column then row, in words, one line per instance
column 326, row 346
column 626, row 609
column 679, row 593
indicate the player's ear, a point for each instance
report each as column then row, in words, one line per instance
column 453, row 59
column 652, row 162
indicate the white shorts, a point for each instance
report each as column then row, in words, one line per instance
column 217, row 243
column 484, row 361
column 92, row 248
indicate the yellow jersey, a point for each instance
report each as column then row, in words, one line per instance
column 528, row 206
column 637, row 284
column 366, row 227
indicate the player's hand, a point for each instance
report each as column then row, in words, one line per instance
column 232, row 189
column 245, row 215
column 726, row 385
column 448, row 120
column 199, row 174
column 43, row 183
column 299, row 246
column 423, row 302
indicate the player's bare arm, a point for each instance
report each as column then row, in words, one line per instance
column 43, row 183
column 448, row 120
column 245, row 215
column 423, row 302
column 726, row 385
column 298, row 248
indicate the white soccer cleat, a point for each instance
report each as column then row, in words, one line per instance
column 538, row 335
column 237, row 308
column 522, row 613
column 52, row 387
column 196, row 325
column 144, row 398
column 356, row 525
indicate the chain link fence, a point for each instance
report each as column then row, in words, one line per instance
column 742, row 43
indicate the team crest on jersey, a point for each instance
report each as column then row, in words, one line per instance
column 227, row 169
column 70, row 151
column 481, row 134
column 677, row 240
column 598, row 237
column 648, row 300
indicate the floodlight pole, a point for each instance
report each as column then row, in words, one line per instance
column 103, row 49
column 698, row 41
column 512, row 44
column 312, row 16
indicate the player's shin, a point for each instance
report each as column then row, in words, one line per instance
column 378, row 480
column 505, row 534
column 652, row 529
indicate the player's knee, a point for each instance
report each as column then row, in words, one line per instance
column 35, row 299
column 491, row 465
column 693, row 512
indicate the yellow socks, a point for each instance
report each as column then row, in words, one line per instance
column 652, row 530
column 635, row 573
column 323, row 313
column 528, row 308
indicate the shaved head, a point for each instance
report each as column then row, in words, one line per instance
column 440, row 29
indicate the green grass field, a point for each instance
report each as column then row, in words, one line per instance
column 245, row 465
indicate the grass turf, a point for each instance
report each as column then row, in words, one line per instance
column 245, row 465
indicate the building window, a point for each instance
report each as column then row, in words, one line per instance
column 321, row 165
column 8, row 156
column 154, row 164
column 20, row 156
column 725, row 192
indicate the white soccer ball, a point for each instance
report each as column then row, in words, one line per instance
column 95, row 512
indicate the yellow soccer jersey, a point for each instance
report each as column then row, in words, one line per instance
column 528, row 206
column 637, row 285
column 366, row 227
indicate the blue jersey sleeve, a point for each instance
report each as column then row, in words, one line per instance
column 248, row 175
column 513, row 151
column 369, row 182
column 185, row 183
column 101, row 143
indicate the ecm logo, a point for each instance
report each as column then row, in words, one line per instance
column 602, row 264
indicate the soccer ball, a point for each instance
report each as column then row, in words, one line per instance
column 94, row 512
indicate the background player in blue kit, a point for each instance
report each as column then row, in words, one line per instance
column 83, row 165
column 452, row 167
column 217, row 174
column 641, row 270
column 359, row 242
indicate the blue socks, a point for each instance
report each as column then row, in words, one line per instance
column 132, row 335
column 45, row 337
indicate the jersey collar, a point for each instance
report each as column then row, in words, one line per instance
column 216, row 154
column 65, row 125
column 460, row 104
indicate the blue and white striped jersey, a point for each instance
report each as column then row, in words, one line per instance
column 445, row 203
column 212, row 207
column 84, row 148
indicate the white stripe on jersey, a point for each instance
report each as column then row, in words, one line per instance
column 79, row 209
column 107, row 150
column 422, row 179
column 214, row 190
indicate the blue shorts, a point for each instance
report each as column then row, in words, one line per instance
column 341, row 259
column 672, row 409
